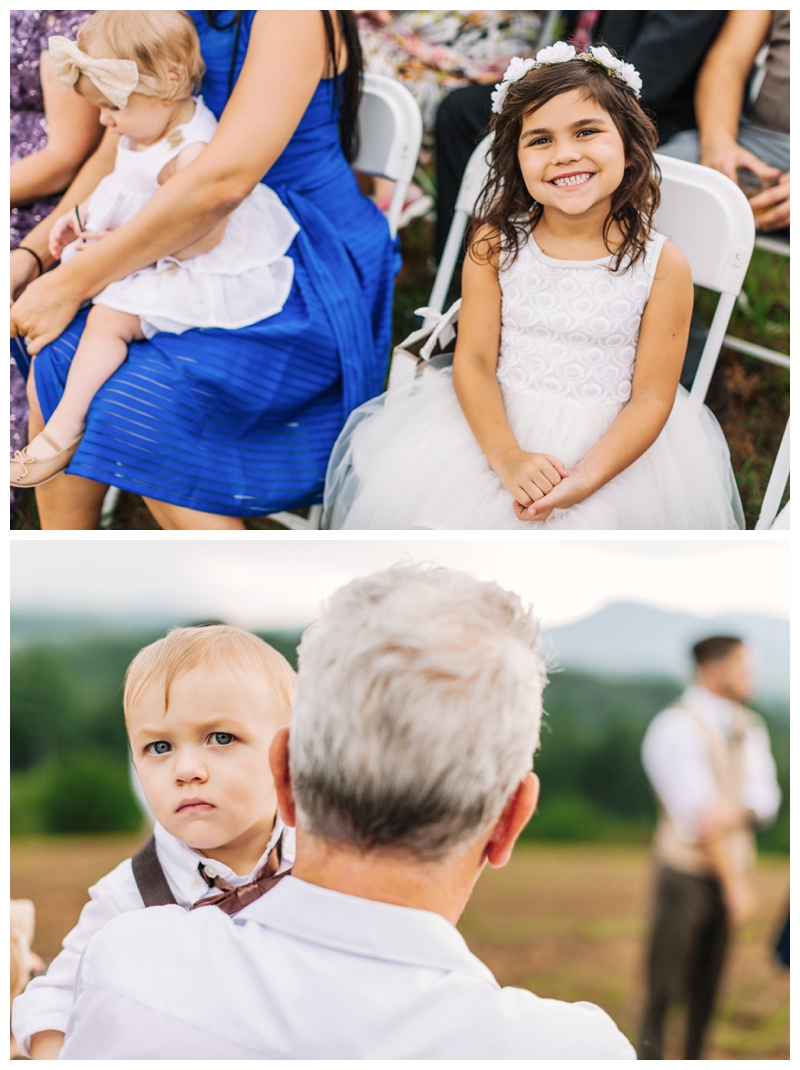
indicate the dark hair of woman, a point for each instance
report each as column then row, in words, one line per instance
column 506, row 206
column 347, row 91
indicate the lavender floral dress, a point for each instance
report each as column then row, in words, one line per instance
column 29, row 33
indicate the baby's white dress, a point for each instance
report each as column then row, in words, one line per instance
column 242, row 280
column 570, row 328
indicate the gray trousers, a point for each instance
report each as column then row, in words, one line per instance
column 688, row 942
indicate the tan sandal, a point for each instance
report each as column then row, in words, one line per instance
column 27, row 471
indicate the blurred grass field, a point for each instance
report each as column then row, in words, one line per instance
column 753, row 421
column 567, row 922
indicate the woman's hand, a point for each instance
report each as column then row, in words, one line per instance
column 24, row 269
column 528, row 477
column 45, row 309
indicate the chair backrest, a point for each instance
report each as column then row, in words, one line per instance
column 474, row 176
column 389, row 135
column 709, row 219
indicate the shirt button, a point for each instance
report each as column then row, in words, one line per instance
column 196, row 883
column 210, row 871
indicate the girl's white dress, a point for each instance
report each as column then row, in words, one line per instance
column 408, row 459
column 242, row 280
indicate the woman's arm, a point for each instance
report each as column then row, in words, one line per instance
column 286, row 57
column 526, row 476
column 24, row 268
column 719, row 96
column 659, row 358
column 73, row 133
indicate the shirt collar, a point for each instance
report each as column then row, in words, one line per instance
column 364, row 927
column 179, row 862
column 713, row 708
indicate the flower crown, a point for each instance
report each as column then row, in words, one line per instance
column 561, row 52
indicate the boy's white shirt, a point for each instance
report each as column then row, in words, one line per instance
column 47, row 1001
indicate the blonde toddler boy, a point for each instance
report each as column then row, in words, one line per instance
column 201, row 708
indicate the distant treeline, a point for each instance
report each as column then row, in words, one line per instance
column 69, row 752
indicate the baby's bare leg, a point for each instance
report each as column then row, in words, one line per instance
column 102, row 349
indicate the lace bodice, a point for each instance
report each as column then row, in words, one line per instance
column 570, row 327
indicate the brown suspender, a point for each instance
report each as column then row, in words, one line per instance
column 156, row 892
column 149, row 877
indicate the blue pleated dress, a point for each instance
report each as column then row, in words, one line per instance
column 242, row 422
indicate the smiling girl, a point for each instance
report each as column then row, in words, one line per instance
column 563, row 409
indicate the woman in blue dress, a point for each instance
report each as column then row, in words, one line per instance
column 212, row 426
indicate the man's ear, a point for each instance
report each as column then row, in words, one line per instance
column 515, row 816
column 279, row 764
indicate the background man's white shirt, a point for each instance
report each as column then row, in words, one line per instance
column 309, row 973
column 675, row 758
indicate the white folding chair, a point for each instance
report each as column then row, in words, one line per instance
column 471, row 184
column 389, row 137
column 709, row 219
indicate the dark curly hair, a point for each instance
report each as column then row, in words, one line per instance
column 505, row 204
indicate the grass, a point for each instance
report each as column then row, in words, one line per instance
column 753, row 418
column 567, row 921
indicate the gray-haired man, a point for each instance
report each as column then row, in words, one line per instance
column 406, row 770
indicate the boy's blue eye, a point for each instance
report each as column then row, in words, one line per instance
column 223, row 738
column 161, row 747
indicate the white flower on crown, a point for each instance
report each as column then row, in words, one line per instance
column 629, row 74
column 560, row 52
column 517, row 68
column 602, row 55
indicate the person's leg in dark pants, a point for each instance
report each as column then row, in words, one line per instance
column 679, row 917
column 705, row 968
column 461, row 122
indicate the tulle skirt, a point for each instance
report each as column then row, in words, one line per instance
column 408, row 459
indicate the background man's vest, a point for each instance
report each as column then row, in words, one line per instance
column 726, row 758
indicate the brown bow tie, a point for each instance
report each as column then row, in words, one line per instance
column 231, row 900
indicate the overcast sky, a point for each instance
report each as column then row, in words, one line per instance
column 280, row 582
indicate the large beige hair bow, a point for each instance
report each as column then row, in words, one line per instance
column 115, row 78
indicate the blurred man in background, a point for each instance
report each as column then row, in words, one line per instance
column 709, row 760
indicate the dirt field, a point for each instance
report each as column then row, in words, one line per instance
column 566, row 922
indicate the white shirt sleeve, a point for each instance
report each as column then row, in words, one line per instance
column 675, row 758
column 761, row 792
column 46, row 1003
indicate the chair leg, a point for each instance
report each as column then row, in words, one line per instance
column 776, row 484
column 716, row 334
column 447, row 265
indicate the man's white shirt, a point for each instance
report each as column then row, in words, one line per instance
column 46, row 1003
column 675, row 757
column 310, row 973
